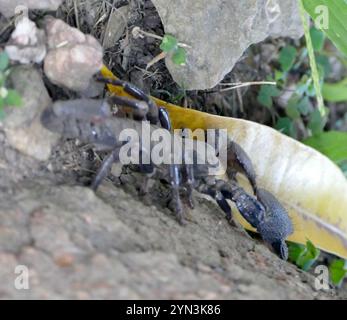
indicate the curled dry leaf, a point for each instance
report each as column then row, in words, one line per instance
column 310, row 186
column 73, row 57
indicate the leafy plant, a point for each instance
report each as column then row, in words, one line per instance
column 299, row 104
column 333, row 144
column 304, row 256
column 335, row 92
column 8, row 97
column 170, row 45
column 287, row 57
column 338, row 271
column 335, row 26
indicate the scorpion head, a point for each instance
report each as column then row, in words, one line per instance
column 276, row 225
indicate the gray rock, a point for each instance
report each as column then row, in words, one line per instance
column 22, row 125
column 220, row 31
column 8, row 7
column 27, row 43
column 73, row 57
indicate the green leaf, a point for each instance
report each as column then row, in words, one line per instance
column 335, row 92
column 287, row 57
column 303, row 86
column 309, row 257
column 13, row 99
column 179, row 57
column 305, row 106
column 303, row 256
column 296, row 250
column 279, row 75
column 286, row 126
column 324, row 63
column 316, row 123
column 318, row 39
column 332, row 19
column 169, row 43
column 292, row 110
column 4, row 61
column 333, row 144
column 337, row 271
column 266, row 93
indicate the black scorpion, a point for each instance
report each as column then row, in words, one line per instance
column 93, row 121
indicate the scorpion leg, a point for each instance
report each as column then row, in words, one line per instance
column 148, row 170
column 152, row 115
column 190, row 180
column 139, row 108
column 175, row 178
column 212, row 191
column 237, row 157
column 175, row 189
column 105, row 168
column 164, row 119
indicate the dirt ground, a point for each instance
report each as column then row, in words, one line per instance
column 116, row 244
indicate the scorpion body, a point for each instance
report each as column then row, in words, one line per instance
column 93, row 121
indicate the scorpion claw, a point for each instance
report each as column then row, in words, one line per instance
column 276, row 225
column 224, row 205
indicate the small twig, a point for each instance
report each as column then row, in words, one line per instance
column 76, row 14
column 147, row 74
column 160, row 56
column 137, row 32
column 236, row 85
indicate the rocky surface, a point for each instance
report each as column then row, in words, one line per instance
column 77, row 244
column 22, row 125
column 220, row 31
column 27, row 43
column 10, row 7
column 73, row 57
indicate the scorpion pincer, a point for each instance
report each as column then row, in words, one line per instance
column 93, row 121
